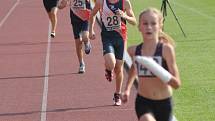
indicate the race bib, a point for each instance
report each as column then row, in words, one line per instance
column 142, row 71
column 78, row 4
column 112, row 23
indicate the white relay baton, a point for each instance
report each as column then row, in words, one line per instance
column 154, row 67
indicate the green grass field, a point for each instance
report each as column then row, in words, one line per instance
column 195, row 100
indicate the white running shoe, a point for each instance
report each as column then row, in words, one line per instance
column 53, row 34
column 87, row 47
column 117, row 99
column 81, row 69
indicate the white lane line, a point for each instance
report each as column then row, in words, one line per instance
column 46, row 79
column 195, row 11
column 9, row 12
column 27, row 1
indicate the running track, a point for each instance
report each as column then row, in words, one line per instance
column 38, row 75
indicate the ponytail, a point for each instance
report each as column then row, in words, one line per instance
column 163, row 37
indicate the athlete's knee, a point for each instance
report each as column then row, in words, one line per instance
column 85, row 37
column 54, row 11
column 147, row 117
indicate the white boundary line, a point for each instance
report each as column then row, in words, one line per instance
column 45, row 87
column 9, row 13
column 194, row 11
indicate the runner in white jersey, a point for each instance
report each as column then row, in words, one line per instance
column 79, row 15
column 114, row 15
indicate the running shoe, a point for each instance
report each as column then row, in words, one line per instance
column 87, row 47
column 117, row 99
column 109, row 75
column 52, row 34
column 81, row 69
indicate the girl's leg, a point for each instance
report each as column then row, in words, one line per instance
column 79, row 53
column 119, row 75
column 86, row 40
column 119, row 80
column 53, row 18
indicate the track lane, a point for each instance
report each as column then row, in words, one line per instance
column 71, row 96
column 22, row 49
column 81, row 97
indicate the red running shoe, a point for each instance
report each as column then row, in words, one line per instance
column 108, row 75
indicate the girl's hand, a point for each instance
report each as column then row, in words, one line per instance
column 120, row 13
column 62, row 4
column 92, row 35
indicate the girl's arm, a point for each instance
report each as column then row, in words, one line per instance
column 169, row 55
column 131, row 76
column 129, row 14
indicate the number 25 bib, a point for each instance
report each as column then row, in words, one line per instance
column 78, row 4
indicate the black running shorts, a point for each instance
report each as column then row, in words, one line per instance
column 78, row 25
column 49, row 4
column 160, row 109
column 115, row 45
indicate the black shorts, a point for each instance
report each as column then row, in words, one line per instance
column 49, row 4
column 78, row 25
column 160, row 109
column 115, row 45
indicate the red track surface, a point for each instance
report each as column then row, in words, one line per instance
column 70, row 96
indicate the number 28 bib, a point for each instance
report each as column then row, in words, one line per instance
column 112, row 22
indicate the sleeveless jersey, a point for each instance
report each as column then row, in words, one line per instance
column 144, row 72
column 113, row 25
column 81, row 8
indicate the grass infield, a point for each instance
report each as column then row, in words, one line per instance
column 194, row 101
